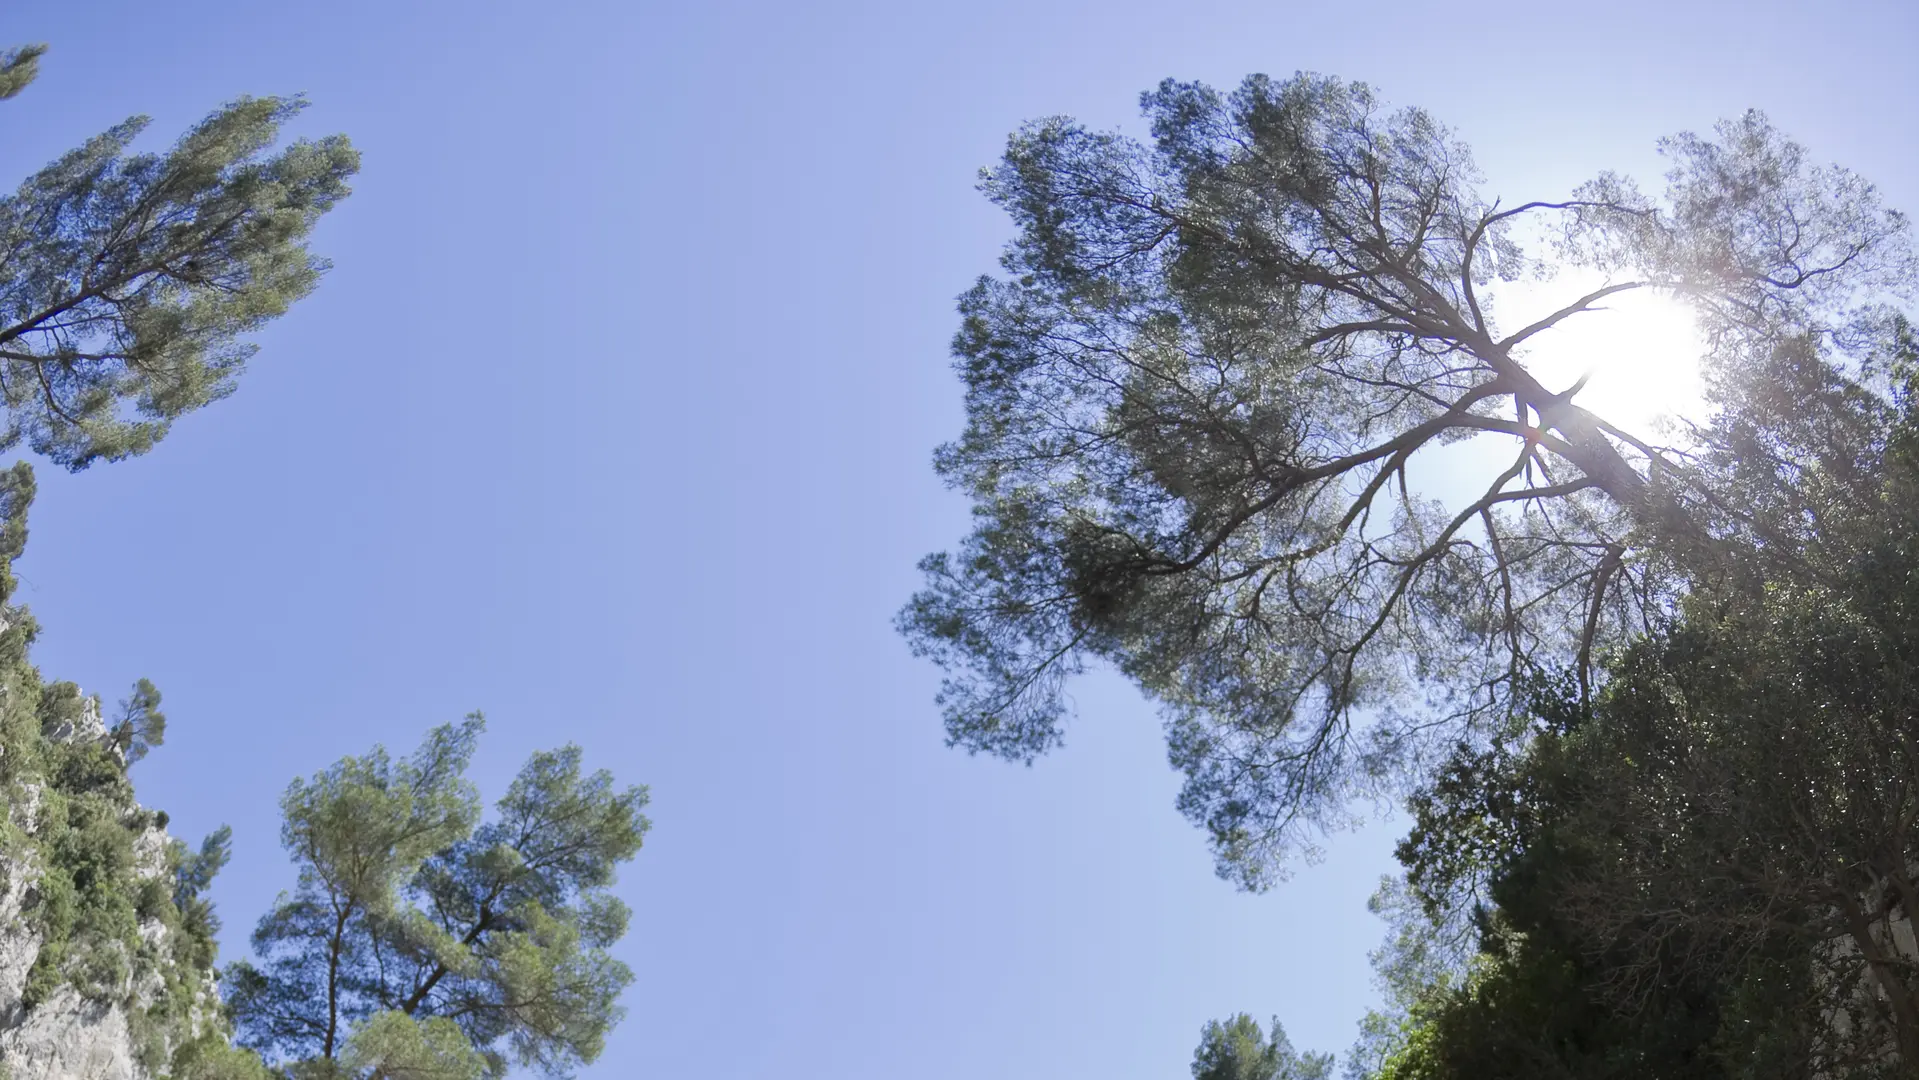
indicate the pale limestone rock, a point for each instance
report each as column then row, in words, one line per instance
column 18, row 944
column 88, row 727
column 64, row 1037
column 67, row 1037
column 150, row 852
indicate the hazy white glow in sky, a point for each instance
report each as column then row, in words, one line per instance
column 1642, row 349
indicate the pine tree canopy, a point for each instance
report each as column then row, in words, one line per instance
column 141, row 725
column 130, row 281
column 1237, row 1050
column 421, row 942
column 1200, row 397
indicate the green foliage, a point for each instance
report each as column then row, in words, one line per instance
column 395, row 1046
column 132, row 279
column 1706, row 867
column 1544, row 994
column 86, row 895
column 1528, row 1003
column 419, row 941
column 18, row 68
column 211, row 1058
column 129, row 285
column 1700, row 874
column 1237, row 1050
column 192, row 874
column 194, row 871
column 141, row 725
column 1196, row 393
column 73, row 825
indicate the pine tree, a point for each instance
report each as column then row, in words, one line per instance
column 141, row 725
column 1237, row 1050
column 129, row 281
column 1201, row 397
column 419, row 941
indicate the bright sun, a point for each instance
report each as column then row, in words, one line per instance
column 1642, row 350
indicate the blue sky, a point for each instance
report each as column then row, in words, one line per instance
column 614, row 420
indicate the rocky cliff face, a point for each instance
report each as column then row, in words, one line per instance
column 65, row 1035
column 71, row 1033
column 106, row 952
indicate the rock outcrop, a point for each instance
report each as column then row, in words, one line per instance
column 69, row 1034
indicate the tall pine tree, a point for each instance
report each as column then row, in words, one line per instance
column 419, row 941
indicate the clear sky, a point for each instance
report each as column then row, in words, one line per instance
column 614, row 420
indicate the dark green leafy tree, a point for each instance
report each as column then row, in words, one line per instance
column 1526, row 999
column 420, row 942
column 1199, row 396
column 1237, row 1050
column 1733, row 974
column 1710, row 868
column 129, row 281
column 1756, row 779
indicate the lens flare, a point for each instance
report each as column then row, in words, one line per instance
column 1638, row 350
